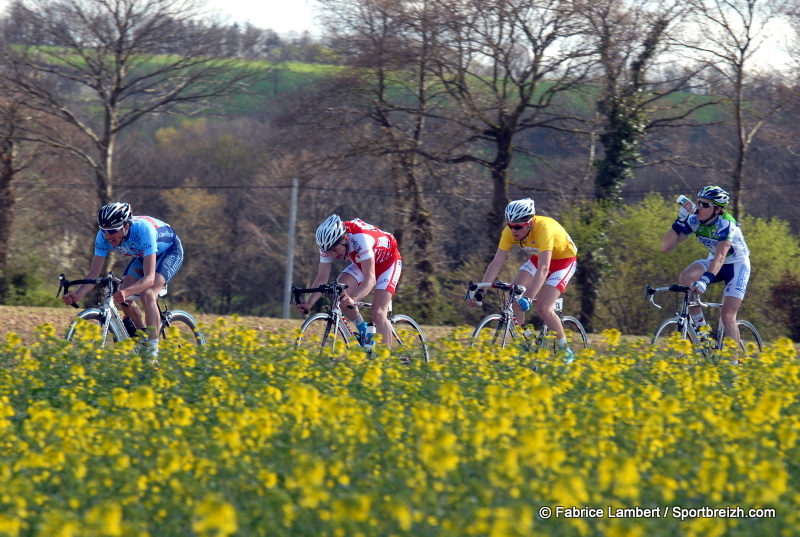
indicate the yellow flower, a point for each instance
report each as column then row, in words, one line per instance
column 213, row 516
column 142, row 398
column 105, row 518
column 10, row 526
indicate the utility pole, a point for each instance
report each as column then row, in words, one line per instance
column 287, row 295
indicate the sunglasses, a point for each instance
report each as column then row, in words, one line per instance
column 112, row 231
column 335, row 247
column 517, row 227
column 704, row 204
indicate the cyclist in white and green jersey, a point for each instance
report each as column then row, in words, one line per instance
column 728, row 260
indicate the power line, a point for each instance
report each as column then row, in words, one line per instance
column 377, row 191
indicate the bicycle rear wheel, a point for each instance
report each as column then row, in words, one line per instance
column 317, row 332
column 491, row 331
column 574, row 332
column 409, row 335
column 89, row 324
column 182, row 327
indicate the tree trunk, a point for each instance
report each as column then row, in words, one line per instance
column 6, row 219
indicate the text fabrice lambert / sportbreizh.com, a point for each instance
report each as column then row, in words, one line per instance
column 674, row 512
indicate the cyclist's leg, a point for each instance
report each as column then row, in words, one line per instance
column 167, row 265
column 736, row 277
column 381, row 302
column 387, row 276
column 352, row 277
column 523, row 277
column 131, row 275
column 545, row 308
column 688, row 276
column 561, row 271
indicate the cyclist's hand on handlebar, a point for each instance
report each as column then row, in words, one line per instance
column 303, row 307
column 474, row 299
column 524, row 303
column 699, row 286
column 346, row 300
column 70, row 298
column 119, row 296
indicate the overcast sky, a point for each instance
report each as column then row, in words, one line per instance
column 283, row 16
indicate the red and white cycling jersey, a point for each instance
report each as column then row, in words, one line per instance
column 366, row 241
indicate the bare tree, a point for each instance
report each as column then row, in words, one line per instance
column 631, row 40
column 725, row 37
column 12, row 162
column 508, row 67
column 387, row 87
column 99, row 67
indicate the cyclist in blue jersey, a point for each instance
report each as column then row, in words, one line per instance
column 729, row 257
column 157, row 256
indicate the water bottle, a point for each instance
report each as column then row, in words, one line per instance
column 369, row 340
column 682, row 201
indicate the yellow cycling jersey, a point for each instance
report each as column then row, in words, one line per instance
column 547, row 235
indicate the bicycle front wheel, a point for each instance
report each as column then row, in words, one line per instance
column 89, row 324
column 409, row 335
column 182, row 327
column 492, row 331
column 666, row 331
column 318, row 332
column 750, row 338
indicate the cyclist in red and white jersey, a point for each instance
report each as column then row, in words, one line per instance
column 553, row 260
column 375, row 262
column 157, row 255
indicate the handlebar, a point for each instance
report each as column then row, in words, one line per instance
column 110, row 280
column 518, row 290
column 333, row 287
column 674, row 288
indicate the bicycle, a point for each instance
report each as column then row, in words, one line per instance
column 175, row 324
column 501, row 328
column 684, row 324
column 326, row 328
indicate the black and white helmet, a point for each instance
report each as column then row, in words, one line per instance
column 330, row 232
column 520, row 210
column 114, row 215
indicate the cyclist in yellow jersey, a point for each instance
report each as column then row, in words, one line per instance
column 548, row 271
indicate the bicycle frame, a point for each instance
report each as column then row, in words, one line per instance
column 111, row 319
column 688, row 328
column 108, row 311
column 337, row 325
column 508, row 320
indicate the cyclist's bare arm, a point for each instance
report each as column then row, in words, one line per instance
column 350, row 297
column 671, row 240
column 492, row 270
column 323, row 273
column 94, row 272
column 495, row 265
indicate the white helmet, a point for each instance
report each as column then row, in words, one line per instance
column 520, row 210
column 330, row 232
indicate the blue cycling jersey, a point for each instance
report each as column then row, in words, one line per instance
column 147, row 235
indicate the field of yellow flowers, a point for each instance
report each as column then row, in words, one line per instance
column 249, row 437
